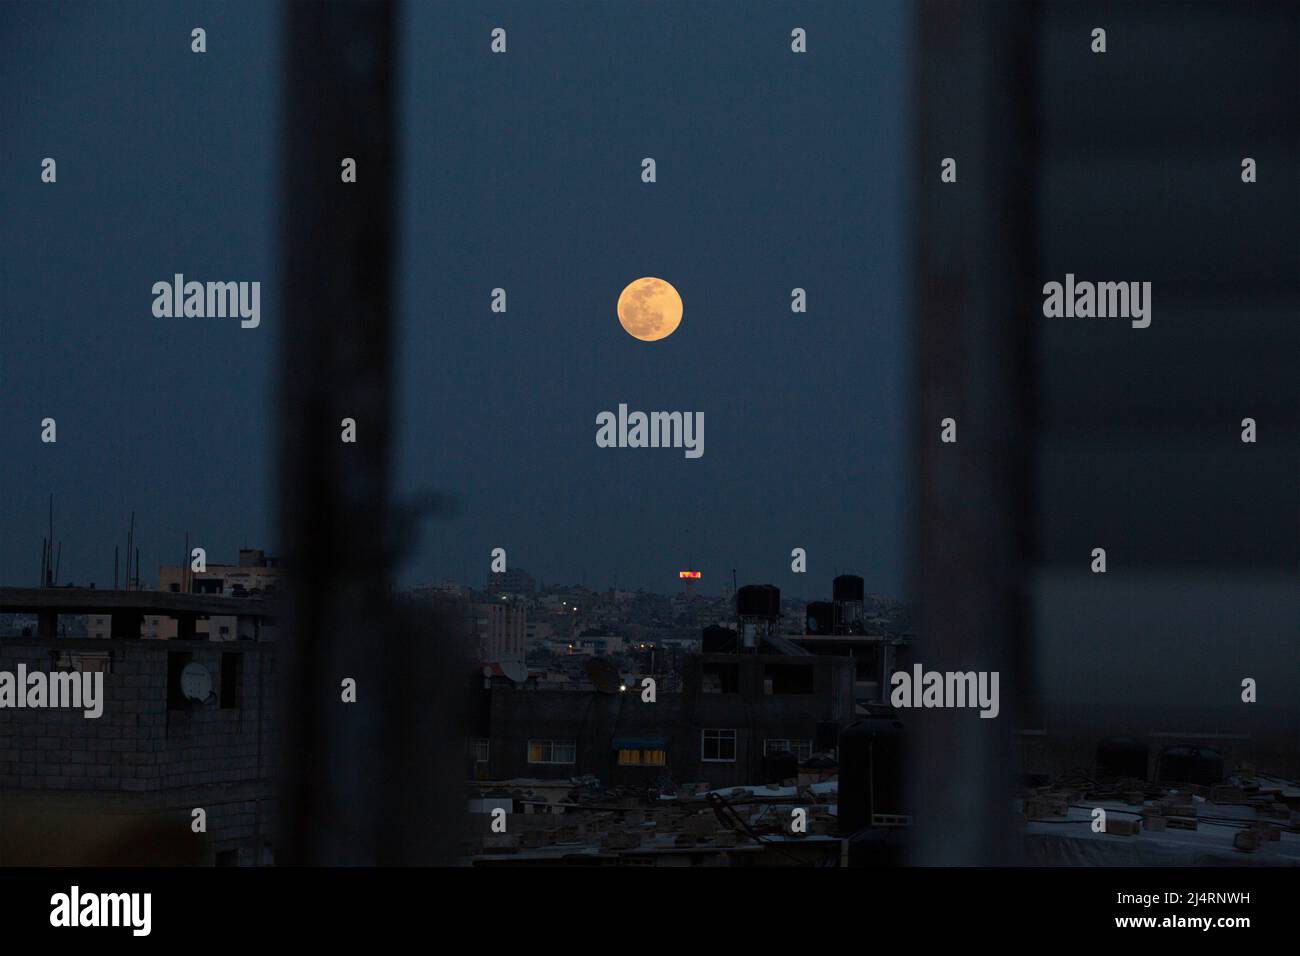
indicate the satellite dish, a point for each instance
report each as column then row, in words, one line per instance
column 604, row 675
column 196, row 682
column 517, row 671
column 487, row 670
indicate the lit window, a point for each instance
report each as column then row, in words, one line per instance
column 718, row 746
column 552, row 751
column 633, row 757
column 478, row 749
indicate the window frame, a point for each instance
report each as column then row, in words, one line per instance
column 552, row 744
column 645, row 757
column 790, row 741
column 718, row 735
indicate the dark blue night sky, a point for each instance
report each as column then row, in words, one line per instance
column 521, row 171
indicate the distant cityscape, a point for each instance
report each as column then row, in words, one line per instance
column 553, row 629
column 610, row 727
column 543, row 635
column 740, row 689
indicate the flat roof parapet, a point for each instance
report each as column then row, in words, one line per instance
column 161, row 603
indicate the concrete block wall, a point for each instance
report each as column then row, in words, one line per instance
column 159, row 760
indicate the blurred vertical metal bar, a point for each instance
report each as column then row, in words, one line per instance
column 335, row 353
column 975, row 275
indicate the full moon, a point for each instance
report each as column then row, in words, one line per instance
column 649, row 309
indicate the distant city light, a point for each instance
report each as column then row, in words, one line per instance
column 622, row 687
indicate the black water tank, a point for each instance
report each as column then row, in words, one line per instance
column 847, row 587
column 819, row 618
column 871, row 772
column 758, row 600
column 717, row 639
column 1190, row 765
column 1121, row 758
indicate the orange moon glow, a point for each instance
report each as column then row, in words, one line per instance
column 649, row 309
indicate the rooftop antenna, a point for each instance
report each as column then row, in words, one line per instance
column 115, row 549
column 58, row 563
column 47, row 549
column 130, row 541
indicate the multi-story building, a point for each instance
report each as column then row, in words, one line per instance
column 513, row 581
column 501, row 629
column 255, row 574
column 732, row 712
column 185, row 726
column 537, row 633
